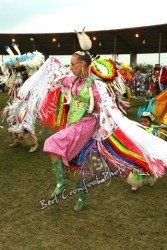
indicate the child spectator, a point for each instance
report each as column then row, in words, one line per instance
column 134, row 179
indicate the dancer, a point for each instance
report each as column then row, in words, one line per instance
column 82, row 124
column 17, row 70
column 94, row 122
column 134, row 179
column 155, row 123
column 81, row 121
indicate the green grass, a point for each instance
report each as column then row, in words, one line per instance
column 113, row 218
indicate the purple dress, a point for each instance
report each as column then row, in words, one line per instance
column 68, row 142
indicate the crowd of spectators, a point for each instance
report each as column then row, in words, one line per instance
column 146, row 85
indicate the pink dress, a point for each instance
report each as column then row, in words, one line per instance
column 68, row 142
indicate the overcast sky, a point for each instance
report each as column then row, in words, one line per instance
column 40, row 16
column 52, row 16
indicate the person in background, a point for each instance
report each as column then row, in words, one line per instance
column 137, row 83
column 156, row 82
column 2, row 82
column 134, row 179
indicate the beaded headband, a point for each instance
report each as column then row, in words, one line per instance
column 149, row 114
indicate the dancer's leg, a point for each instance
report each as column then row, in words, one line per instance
column 60, row 174
column 82, row 194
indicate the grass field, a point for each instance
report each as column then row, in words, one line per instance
column 114, row 218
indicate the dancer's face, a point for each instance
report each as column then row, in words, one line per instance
column 145, row 121
column 76, row 65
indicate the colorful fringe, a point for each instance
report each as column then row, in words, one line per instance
column 119, row 156
column 53, row 112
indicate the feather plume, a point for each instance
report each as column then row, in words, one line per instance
column 16, row 48
column 10, row 52
column 84, row 40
